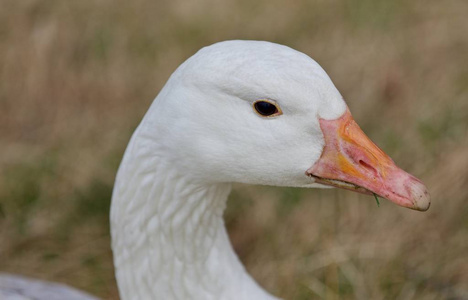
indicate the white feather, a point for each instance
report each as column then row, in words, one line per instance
column 200, row 134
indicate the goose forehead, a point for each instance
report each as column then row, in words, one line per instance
column 254, row 61
column 253, row 69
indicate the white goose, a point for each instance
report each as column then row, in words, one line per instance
column 237, row 111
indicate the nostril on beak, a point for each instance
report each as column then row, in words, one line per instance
column 368, row 167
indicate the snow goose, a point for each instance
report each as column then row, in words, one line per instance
column 237, row 111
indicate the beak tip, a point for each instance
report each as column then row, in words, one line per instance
column 422, row 205
column 421, row 197
column 406, row 190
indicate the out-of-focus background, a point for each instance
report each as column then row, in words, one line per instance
column 76, row 77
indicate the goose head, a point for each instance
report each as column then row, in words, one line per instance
column 262, row 113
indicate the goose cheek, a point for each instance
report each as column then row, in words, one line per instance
column 352, row 161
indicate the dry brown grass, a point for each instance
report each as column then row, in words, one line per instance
column 77, row 76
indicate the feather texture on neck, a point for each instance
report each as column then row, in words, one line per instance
column 168, row 234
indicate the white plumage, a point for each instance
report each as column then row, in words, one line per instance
column 200, row 134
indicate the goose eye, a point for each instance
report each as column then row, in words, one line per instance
column 267, row 108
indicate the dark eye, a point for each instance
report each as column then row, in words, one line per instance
column 267, row 108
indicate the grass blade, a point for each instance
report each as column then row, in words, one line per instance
column 376, row 199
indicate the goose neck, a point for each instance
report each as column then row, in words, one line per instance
column 168, row 235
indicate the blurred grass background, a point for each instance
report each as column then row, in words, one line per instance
column 77, row 76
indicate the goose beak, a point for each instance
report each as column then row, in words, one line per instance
column 350, row 160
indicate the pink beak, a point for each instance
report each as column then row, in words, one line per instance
column 352, row 161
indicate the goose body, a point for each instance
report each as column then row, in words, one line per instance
column 205, row 130
column 20, row 288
